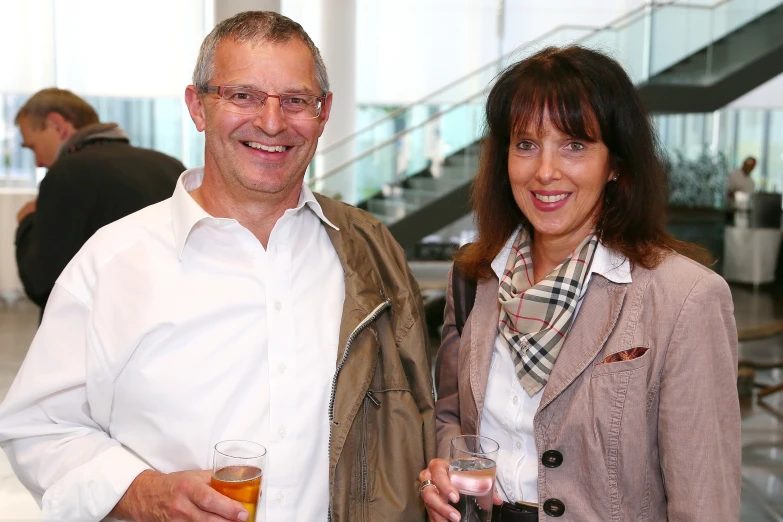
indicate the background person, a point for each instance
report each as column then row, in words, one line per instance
column 602, row 361
column 244, row 307
column 95, row 177
column 739, row 179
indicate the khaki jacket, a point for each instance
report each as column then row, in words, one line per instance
column 654, row 438
column 382, row 406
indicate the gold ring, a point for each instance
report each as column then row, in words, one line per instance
column 425, row 484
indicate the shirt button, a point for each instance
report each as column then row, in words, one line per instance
column 519, row 445
column 252, row 254
column 279, row 497
column 281, row 431
column 515, row 399
column 278, row 306
column 281, row 367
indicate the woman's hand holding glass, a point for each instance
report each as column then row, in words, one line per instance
column 437, row 497
column 472, row 465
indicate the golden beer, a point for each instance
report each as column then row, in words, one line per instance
column 240, row 483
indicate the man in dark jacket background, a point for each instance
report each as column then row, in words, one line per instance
column 95, row 177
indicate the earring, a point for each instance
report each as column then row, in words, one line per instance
column 614, row 178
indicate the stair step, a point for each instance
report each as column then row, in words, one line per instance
column 419, row 197
column 438, row 186
column 388, row 210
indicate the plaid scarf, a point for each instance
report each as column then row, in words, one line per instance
column 534, row 319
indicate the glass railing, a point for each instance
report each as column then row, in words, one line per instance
column 420, row 135
column 646, row 41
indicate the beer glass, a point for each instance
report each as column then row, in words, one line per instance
column 472, row 472
column 237, row 469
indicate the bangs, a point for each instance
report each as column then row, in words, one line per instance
column 542, row 88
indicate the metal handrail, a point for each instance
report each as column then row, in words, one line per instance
column 494, row 63
column 391, row 140
column 594, row 30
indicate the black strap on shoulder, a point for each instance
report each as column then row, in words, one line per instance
column 463, row 291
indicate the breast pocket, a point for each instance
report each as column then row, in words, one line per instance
column 613, row 364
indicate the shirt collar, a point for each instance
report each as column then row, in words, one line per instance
column 606, row 262
column 186, row 213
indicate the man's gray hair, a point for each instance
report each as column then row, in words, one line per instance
column 255, row 27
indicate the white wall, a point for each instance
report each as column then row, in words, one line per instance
column 143, row 48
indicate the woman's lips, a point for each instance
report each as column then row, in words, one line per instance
column 549, row 201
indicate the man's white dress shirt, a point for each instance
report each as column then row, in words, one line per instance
column 508, row 411
column 170, row 331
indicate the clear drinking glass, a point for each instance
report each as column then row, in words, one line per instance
column 472, row 472
column 237, row 469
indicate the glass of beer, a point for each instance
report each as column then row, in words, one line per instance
column 237, row 470
column 472, row 472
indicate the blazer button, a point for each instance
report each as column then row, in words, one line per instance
column 552, row 458
column 554, row 507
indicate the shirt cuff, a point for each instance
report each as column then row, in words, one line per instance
column 90, row 491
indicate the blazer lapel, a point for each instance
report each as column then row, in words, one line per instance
column 594, row 322
column 483, row 331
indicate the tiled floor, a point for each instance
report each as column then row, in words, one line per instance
column 17, row 327
column 762, row 424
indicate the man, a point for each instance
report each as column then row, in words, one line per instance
column 740, row 180
column 244, row 307
column 95, row 177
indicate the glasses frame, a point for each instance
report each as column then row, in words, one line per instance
column 220, row 89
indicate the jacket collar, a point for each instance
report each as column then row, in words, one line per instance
column 94, row 132
column 186, row 213
column 608, row 281
column 597, row 317
column 363, row 287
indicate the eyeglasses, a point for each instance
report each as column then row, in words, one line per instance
column 242, row 100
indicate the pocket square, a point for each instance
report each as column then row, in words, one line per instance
column 625, row 355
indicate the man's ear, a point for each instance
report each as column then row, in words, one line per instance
column 62, row 127
column 195, row 107
column 326, row 108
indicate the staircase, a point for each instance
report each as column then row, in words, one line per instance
column 413, row 169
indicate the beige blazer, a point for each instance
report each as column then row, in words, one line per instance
column 649, row 439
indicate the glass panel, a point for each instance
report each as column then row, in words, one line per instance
column 775, row 152
column 459, row 91
column 750, row 133
column 383, row 169
column 677, row 31
column 626, row 42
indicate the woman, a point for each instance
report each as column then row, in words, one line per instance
column 602, row 361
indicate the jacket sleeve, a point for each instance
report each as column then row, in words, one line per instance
column 699, row 416
column 447, row 414
column 48, row 239
column 72, row 467
column 416, row 358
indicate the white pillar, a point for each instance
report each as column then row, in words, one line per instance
column 338, row 49
column 227, row 8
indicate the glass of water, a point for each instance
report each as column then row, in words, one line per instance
column 472, row 472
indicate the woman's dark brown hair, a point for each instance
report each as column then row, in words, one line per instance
column 589, row 96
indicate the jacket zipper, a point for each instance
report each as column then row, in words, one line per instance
column 359, row 329
column 364, row 456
